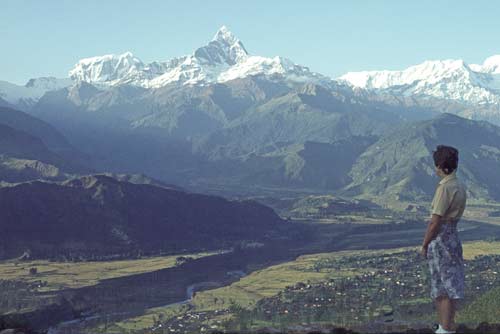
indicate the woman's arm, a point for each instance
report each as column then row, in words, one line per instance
column 432, row 231
column 440, row 204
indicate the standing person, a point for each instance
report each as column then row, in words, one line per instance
column 442, row 246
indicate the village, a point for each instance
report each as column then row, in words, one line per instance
column 391, row 288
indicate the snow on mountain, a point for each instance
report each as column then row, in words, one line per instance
column 446, row 79
column 106, row 68
column 44, row 84
column 223, row 58
column 114, row 70
column 32, row 91
column 224, row 48
column 491, row 65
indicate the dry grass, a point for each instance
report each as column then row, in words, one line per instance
column 62, row 275
column 475, row 248
column 269, row 281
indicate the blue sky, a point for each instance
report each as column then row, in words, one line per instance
column 40, row 38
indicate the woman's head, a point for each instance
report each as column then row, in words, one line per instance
column 445, row 158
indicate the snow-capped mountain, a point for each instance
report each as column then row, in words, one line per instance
column 30, row 93
column 444, row 79
column 491, row 65
column 109, row 69
column 224, row 58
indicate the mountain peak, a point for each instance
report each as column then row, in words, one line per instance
column 222, row 59
column 224, row 48
column 107, row 68
column 448, row 116
column 450, row 79
column 491, row 65
column 48, row 83
column 224, row 34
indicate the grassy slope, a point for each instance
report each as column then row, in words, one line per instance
column 62, row 275
column 246, row 292
column 486, row 308
column 269, row 281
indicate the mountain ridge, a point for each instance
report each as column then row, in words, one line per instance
column 399, row 165
column 97, row 215
column 451, row 79
column 225, row 58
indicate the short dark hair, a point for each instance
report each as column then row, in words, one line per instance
column 446, row 158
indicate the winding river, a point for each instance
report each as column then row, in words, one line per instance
column 68, row 326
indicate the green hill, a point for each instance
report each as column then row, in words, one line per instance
column 399, row 165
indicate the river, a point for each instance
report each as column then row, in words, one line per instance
column 69, row 325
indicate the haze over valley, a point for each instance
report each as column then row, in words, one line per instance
column 223, row 190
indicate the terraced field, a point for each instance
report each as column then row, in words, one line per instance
column 215, row 308
column 64, row 275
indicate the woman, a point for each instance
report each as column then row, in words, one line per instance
column 442, row 246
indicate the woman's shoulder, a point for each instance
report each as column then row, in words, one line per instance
column 461, row 184
column 453, row 184
column 460, row 188
column 449, row 189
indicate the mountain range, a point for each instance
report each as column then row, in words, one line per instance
column 31, row 149
column 399, row 164
column 204, row 152
column 445, row 79
column 225, row 58
column 97, row 215
column 221, row 116
column 468, row 90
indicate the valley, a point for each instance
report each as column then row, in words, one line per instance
column 224, row 191
column 133, row 295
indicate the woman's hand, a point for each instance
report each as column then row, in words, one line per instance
column 431, row 233
column 423, row 251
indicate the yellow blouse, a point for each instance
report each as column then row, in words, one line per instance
column 450, row 198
